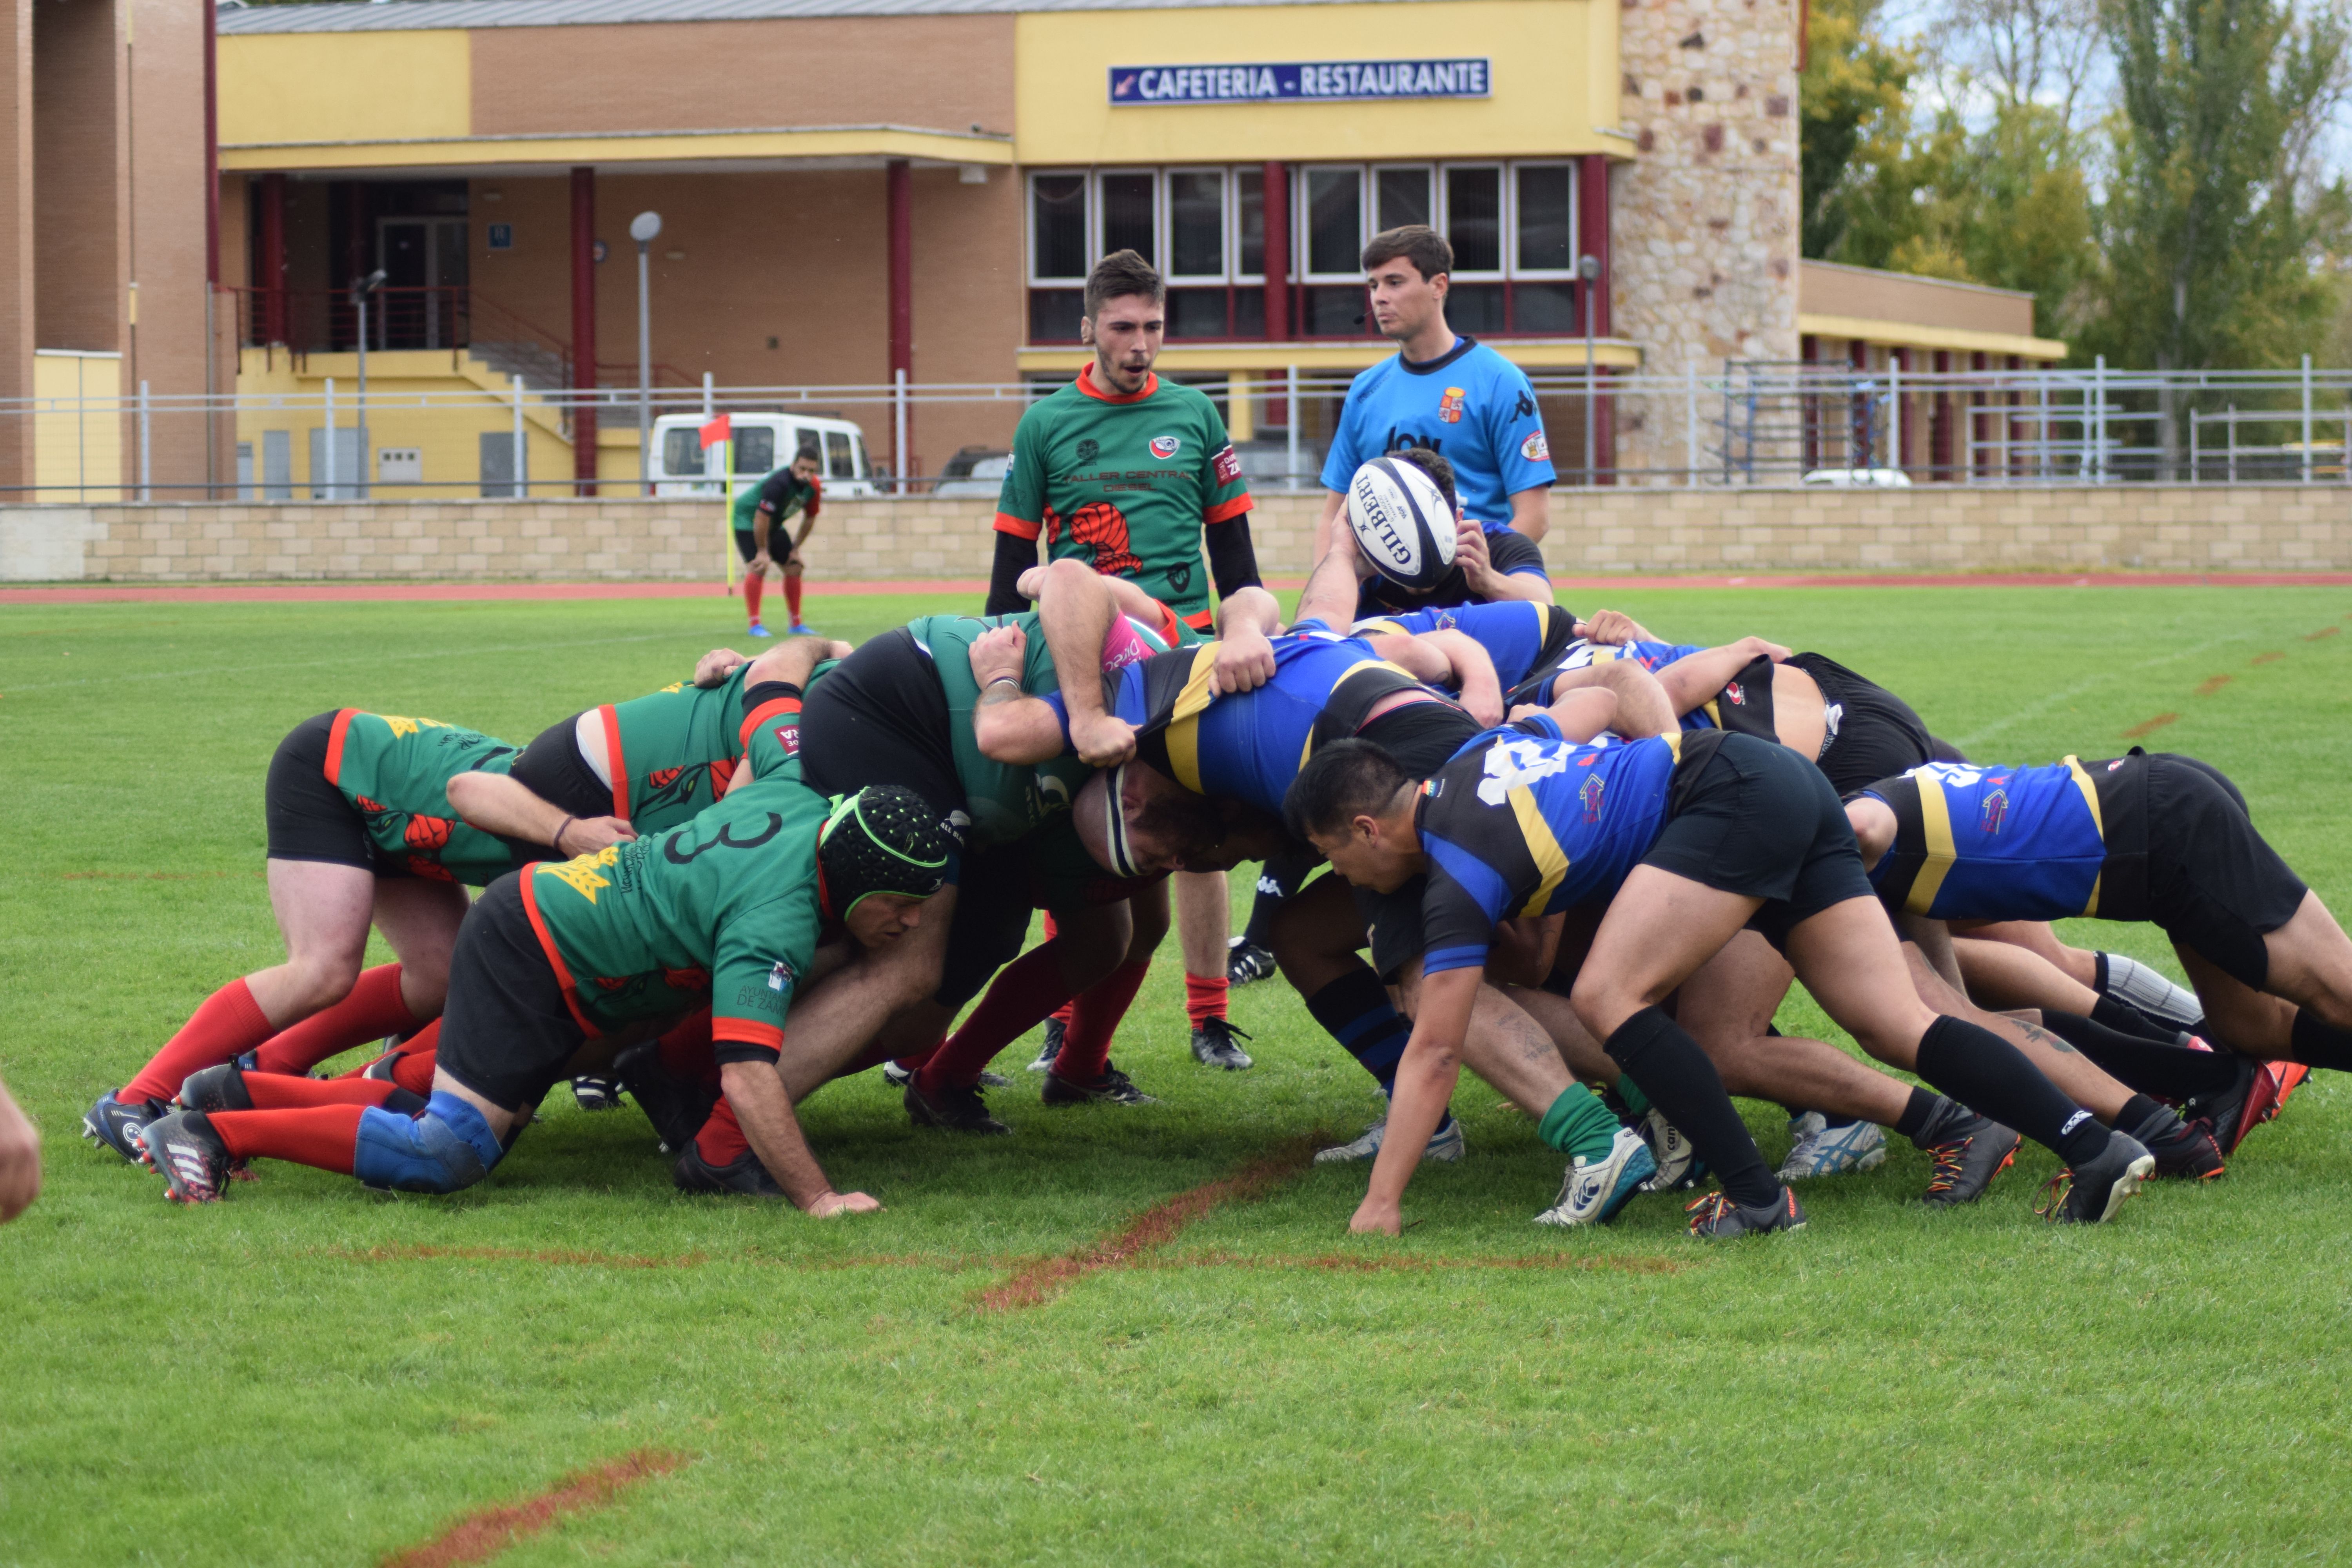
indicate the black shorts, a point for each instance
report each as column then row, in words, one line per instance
column 1748, row 816
column 882, row 718
column 551, row 768
column 1872, row 734
column 1421, row 736
column 507, row 1031
column 2182, row 852
column 780, row 547
column 309, row 819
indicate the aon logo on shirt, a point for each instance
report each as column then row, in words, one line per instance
column 1511, row 764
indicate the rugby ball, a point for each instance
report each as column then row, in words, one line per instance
column 1402, row 524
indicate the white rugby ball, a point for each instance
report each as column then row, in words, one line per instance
column 1402, row 524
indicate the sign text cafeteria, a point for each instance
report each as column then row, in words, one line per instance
column 1310, row 81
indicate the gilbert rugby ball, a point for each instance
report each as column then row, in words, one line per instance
column 1402, row 524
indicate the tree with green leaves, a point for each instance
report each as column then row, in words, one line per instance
column 1854, row 112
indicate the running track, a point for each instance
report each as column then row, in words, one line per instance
column 315, row 592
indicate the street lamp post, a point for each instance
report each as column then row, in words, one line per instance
column 1588, row 268
column 362, row 290
column 645, row 228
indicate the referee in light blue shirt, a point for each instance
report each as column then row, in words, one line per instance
column 1452, row 395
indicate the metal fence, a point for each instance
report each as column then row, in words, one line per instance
column 504, row 430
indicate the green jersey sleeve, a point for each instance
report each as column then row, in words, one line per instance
column 1021, row 504
column 1224, row 493
column 759, row 956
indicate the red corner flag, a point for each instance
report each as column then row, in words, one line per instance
column 719, row 429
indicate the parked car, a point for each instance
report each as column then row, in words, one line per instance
column 763, row 442
column 1860, row 479
column 975, row 471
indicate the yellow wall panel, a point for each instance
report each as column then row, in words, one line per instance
column 1554, row 62
column 345, row 87
column 78, row 426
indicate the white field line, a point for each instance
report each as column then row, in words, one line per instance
column 2035, row 709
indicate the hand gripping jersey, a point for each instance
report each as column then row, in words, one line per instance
column 1994, row 843
column 1519, row 635
column 1582, row 653
column 726, row 908
column 1509, row 551
column 396, row 772
column 1126, row 484
column 672, row 753
column 782, row 492
column 1470, row 405
column 1526, row 821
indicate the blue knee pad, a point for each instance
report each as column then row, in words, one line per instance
column 446, row 1148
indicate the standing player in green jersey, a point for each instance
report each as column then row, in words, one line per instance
column 794, row 488
column 561, row 964
column 1132, row 475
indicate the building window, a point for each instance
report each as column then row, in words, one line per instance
column 1059, row 234
column 1196, row 224
column 1403, row 197
column 1130, row 211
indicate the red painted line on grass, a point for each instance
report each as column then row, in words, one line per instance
column 2323, row 632
column 2267, row 658
column 1411, row 1263
column 2214, row 683
column 1155, row 1227
column 581, row 1258
column 480, row 1536
column 2148, row 726
column 343, row 593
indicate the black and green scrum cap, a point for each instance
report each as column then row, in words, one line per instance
column 885, row 838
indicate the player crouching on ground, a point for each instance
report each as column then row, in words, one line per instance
column 560, row 965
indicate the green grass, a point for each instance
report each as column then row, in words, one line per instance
column 246, row 1383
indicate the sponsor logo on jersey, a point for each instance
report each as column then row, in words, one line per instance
column 788, row 736
column 1228, row 465
column 1993, row 812
column 779, row 978
column 1164, row 446
column 1449, row 406
column 1535, row 449
column 1589, row 795
column 1735, row 697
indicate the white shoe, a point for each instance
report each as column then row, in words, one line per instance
column 1820, row 1150
column 1594, row 1190
column 1445, row 1144
column 1679, row 1164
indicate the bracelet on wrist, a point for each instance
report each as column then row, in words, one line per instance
column 555, row 840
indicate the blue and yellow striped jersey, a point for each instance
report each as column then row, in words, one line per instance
column 1994, row 843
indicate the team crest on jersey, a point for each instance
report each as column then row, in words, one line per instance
column 1449, row 406
column 1993, row 812
column 1088, row 450
column 1589, row 795
column 1164, row 446
column 1534, row 448
column 1733, row 695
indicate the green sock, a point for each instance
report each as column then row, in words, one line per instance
column 1631, row 1094
column 1578, row 1125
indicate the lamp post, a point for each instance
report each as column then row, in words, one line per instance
column 1588, row 268
column 645, row 228
column 362, row 290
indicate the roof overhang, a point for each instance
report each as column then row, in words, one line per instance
column 1527, row 354
column 1916, row 335
column 669, row 150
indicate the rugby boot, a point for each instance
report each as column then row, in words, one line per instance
column 1054, row 1030
column 744, row 1175
column 218, row 1088
column 1716, row 1217
column 2182, row 1149
column 758, row 629
column 957, row 1107
column 190, row 1156
column 678, row 1108
column 1247, row 963
column 1592, row 1191
column 1679, row 1165
column 1965, row 1152
column 1113, row 1087
column 1818, row 1149
column 896, row 1076
column 2092, row 1193
column 1445, row 1145
column 596, row 1092
column 1213, row 1046
column 116, row 1125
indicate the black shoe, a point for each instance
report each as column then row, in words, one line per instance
column 1213, row 1046
column 2224, row 1111
column 191, row 1157
column 1054, row 1030
column 595, row 1093
column 1246, row 961
column 2184, row 1149
column 1113, row 1086
column 2092, row 1193
column 676, row 1107
column 1716, row 1217
column 116, row 1125
column 956, row 1107
column 216, row 1089
column 897, row 1077
column 693, row 1173
column 1967, row 1151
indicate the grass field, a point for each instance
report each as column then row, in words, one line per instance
column 311, row 1371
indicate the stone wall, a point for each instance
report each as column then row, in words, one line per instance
column 1705, row 221
column 1595, row 532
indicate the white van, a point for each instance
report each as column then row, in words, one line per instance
column 762, row 443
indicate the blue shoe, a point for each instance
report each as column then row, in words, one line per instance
column 117, row 1125
column 759, row 629
column 1818, row 1149
column 1594, row 1190
column 803, row 629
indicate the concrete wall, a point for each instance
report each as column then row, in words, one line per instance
column 1955, row 529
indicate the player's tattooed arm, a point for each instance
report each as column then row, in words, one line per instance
column 1008, row 724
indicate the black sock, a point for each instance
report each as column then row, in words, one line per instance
column 1994, row 1077
column 2317, row 1043
column 1916, row 1114
column 1355, row 1011
column 2167, row 1070
column 1681, row 1082
column 2138, row 1111
column 2126, row 1019
column 2099, row 973
column 1260, row 928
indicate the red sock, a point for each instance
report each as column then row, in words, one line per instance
column 793, row 595
column 326, row 1137
column 292, row 1091
column 230, row 1021
column 752, row 587
column 686, row 1051
column 1028, row 989
column 1093, row 1019
column 1205, row 997
column 722, row 1141
column 372, row 1011
column 412, row 1064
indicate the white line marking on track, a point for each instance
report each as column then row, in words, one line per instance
column 2041, row 705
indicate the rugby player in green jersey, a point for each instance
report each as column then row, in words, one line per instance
column 361, row 832
column 794, row 488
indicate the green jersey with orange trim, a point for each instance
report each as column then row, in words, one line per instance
column 1126, row 484
column 396, row 772
column 727, row 909
column 673, row 752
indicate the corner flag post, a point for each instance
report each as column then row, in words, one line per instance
column 719, row 433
